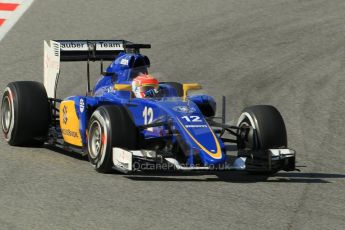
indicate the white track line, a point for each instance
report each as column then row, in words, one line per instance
column 12, row 16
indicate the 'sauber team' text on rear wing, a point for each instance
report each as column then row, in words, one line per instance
column 56, row 51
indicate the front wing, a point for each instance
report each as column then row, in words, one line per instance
column 137, row 160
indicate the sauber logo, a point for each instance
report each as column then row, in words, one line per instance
column 64, row 115
column 73, row 45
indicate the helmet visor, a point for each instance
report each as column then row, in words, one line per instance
column 145, row 88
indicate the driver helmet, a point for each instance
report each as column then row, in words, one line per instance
column 144, row 83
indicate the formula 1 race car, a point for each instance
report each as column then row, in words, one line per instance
column 117, row 130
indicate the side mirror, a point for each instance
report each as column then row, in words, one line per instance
column 123, row 87
column 190, row 86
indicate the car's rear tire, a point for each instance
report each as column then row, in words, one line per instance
column 25, row 113
column 267, row 130
column 109, row 126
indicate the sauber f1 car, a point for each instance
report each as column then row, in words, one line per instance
column 119, row 131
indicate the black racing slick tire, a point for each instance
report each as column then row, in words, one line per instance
column 25, row 113
column 177, row 86
column 109, row 126
column 269, row 127
column 265, row 130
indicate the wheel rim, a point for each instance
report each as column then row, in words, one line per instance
column 6, row 114
column 248, row 139
column 95, row 140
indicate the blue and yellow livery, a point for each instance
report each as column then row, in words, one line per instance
column 118, row 131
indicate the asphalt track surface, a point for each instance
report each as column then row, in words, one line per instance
column 290, row 54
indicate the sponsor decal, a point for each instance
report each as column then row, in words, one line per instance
column 124, row 62
column 64, row 115
column 81, row 105
column 51, row 63
column 196, row 126
column 184, row 109
column 69, row 133
column 69, row 123
column 84, row 45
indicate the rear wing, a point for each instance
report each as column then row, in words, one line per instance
column 57, row 51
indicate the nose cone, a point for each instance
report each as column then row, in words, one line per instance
column 200, row 136
column 195, row 132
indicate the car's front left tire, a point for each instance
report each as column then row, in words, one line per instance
column 109, row 126
column 263, row 128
